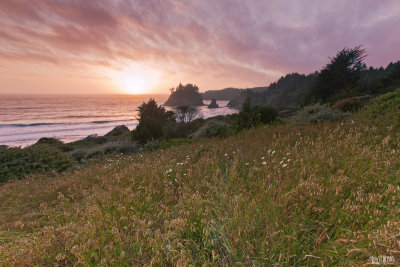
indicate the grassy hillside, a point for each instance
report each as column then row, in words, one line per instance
column 320, row 195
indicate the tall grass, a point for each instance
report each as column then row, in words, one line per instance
column 319, row 195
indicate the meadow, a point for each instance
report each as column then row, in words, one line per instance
column 321, row 194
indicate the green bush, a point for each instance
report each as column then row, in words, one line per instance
column 254, row 116
column 182, row 129
column 385, row 104
column 149, row 128
column 211, row 129
column 152, row 119
column 174, row 142
column 317, row 113
column 79, row 155
column 48, row 141
column 352, row 104
column 152, row 144
column 17, row 163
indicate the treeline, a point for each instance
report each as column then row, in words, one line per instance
column 345, row 75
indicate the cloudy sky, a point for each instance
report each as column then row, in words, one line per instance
column 148, row 46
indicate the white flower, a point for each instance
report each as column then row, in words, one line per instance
column 288, row 160
column 226, row 154
column 284, row 165
column 184, row 174
column 263, row 158
column 264, row 163
column 273, row 152
column 246, row 163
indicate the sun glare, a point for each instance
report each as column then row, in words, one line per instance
column 136, row 79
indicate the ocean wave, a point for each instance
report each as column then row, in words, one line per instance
column 18, row 125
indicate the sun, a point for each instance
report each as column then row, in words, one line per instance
column 136, row 79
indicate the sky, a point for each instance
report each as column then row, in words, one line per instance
column 149, row 46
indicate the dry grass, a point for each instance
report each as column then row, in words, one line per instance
column 320, row 195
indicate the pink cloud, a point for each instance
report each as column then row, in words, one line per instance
column 246, row 42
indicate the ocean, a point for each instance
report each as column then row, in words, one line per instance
column 25, row 119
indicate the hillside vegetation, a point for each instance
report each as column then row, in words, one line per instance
column 322, row 194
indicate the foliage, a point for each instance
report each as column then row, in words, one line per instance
column 386, row 105
column 185, row 88
column 49, row 141
column 254, row 116
column 317, row 113
column 151, row 109
column 148, row 128
column 340, row 76
column 17, row 163
column 152, row 119
column 174, row 142
column 186, row 113
column 152, row 144
column 288, row 91
column 352, row 104
column 212, row 128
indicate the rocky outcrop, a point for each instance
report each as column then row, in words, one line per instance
column 213, row 104
column 187, row 95
column 119, row 130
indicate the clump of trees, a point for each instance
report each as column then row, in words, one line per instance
column 254, row 116
column 152, row 119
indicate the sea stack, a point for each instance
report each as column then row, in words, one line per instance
column 185, row 95
column 213, row 104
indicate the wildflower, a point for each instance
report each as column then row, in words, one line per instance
column 284, row 165
column 226, row 154
column 184, row 174
column 264, row 163
column 246, row 163
column 273, row 152
column 288, row 160
column 263, row 158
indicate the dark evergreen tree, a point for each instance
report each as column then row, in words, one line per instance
column 340, row 76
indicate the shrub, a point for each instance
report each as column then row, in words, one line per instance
column 152, row 144
column 48, row 141
column 317, row 113
column 149, row 128
column 79, row 155
column 210, row 129
column 17, row 163
column 385, row 104
column 152, row 119
column 182, row 129
column 254, row 116
column 352, row 104
column 174, row 142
